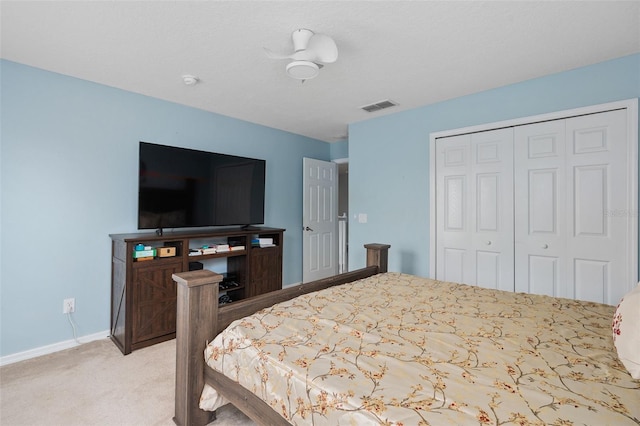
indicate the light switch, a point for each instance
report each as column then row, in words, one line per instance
column 362, row 218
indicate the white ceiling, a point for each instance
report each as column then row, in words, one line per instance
column 412, row 52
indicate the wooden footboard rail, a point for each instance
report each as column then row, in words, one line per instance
column 200, row 319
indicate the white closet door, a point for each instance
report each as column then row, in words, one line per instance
column 598, row 236
column 540, row 194
column 570, row 179
column 453, row 218
column 474, row 185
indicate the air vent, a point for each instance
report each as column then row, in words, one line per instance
column 379, row 105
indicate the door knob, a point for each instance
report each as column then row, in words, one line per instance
column 489, row 242
column 306, row 228
column 545, row 246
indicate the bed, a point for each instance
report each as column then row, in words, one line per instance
column 373, row 347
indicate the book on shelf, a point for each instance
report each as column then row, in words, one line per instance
column 202, row 251
column 262, row 242
column 210, row 249
column 139, row 254
column 222, row 248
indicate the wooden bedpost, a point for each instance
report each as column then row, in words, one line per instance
column 377, row 255
column 197, row 314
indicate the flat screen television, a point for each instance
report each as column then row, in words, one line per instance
column 182, row 188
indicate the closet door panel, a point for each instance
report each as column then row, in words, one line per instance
column 598, row 238
column 590, row 201
column 474, row 182
column 454, row 203
column 492, row 201
column 453, row 261
column 454, row 265
column 487, row 205
column 540, row 191
column 488, row 269
column 543, row 202
column 592, row 279
column 543, row 274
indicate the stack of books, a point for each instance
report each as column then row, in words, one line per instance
column 262, row 242
column 215, row 248
column 209, row 249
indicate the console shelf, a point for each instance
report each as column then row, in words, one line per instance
column 217, row 255
column 143, row 294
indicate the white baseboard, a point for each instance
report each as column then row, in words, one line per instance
column 44, row 350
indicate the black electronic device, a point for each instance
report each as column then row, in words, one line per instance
column 182, row 188
column 196, row 266
column 228, row 281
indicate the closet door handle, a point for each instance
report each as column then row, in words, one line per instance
column 545, row 246
column 488, row 242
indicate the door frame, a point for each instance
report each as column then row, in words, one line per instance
column 632, row 213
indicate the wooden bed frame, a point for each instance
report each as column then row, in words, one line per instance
column 200, row 319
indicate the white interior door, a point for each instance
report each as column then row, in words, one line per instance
column 319, row 220
column 474, row 187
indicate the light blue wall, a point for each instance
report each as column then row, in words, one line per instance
column 68, row 164
column 389, row 156
column 69, row 178
column 339, row 150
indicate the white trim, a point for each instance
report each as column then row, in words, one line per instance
column 432, row 205
column 341, row 160
column 45, row 350
column 557, row 115
column 632, row 123
column 631, row 105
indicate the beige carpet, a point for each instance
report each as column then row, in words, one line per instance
column 94, row 384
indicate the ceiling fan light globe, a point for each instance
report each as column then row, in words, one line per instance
column 302, row 70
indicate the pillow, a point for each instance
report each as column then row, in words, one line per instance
column 626, row 331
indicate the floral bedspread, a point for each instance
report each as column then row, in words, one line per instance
column 398, row 349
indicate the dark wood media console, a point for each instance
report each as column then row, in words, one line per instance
column 143, row 293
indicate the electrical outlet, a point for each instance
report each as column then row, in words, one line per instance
column 68, row 305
